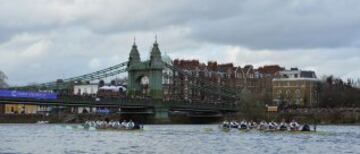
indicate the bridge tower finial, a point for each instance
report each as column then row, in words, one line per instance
column 156, row 39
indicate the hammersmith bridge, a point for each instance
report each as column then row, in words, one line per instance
column 146, row 94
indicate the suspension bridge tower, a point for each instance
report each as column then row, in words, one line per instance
column 145, row 77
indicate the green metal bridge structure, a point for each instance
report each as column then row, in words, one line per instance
column 154, row 104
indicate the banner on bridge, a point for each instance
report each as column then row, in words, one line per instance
column 27, row 94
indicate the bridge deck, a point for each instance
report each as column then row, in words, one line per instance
column 127, row 103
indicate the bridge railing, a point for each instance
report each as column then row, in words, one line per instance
column 123, row 102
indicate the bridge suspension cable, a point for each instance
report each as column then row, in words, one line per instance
column 104, row 73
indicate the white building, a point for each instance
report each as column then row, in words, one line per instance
column 167, row 72
column 87, row 89
column 113, row 88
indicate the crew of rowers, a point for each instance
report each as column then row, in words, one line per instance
column 263, row 125
column 106, row 124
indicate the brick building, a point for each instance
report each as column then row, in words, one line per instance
column 236, row 78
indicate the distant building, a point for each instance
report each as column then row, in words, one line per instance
column 296, row 73
column 86, row 89
column 167, row 77
column 112, row 91
column 257, row 81
column 113, row 88
column 296, row 87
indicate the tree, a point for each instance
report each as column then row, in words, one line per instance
column 113, row 82
column 59, row 81
column 3, row 79
column 334, row 92
column 101, row 83
column 250, row 105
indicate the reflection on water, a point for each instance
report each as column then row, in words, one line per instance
column 33, row 138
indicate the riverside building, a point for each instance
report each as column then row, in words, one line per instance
column 256, row 80
column 296, row 87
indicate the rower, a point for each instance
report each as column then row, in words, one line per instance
column 294, row 125
column 234, row 124
column 263, row 125
column 273, row 125
column 283, row 125
column 252, row 124
column 243, row 124
column 117, row 124
column 130, row 124
column 226, row 124
column 124, row 124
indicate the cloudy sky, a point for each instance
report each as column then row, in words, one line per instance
column 42, row 40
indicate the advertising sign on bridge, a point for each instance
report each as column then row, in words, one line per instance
column 27, row 94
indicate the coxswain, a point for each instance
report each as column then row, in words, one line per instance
column 306, row 128
column 137, row 126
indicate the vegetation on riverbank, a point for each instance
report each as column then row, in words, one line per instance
column 336, row 93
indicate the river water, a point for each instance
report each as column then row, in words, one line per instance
column 169, row 139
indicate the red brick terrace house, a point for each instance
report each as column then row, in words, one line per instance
column 225, row 75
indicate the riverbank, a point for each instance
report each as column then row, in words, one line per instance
column 339, row 117
column 330, row 117
column 81, row 118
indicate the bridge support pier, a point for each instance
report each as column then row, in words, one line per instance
column 161, row 115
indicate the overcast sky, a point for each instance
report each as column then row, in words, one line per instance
column 42, row 40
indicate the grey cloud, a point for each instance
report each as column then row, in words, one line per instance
column 273, row 24
column 76, row 33
column 306, row 24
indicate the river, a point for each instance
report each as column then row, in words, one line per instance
column 174, row 139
